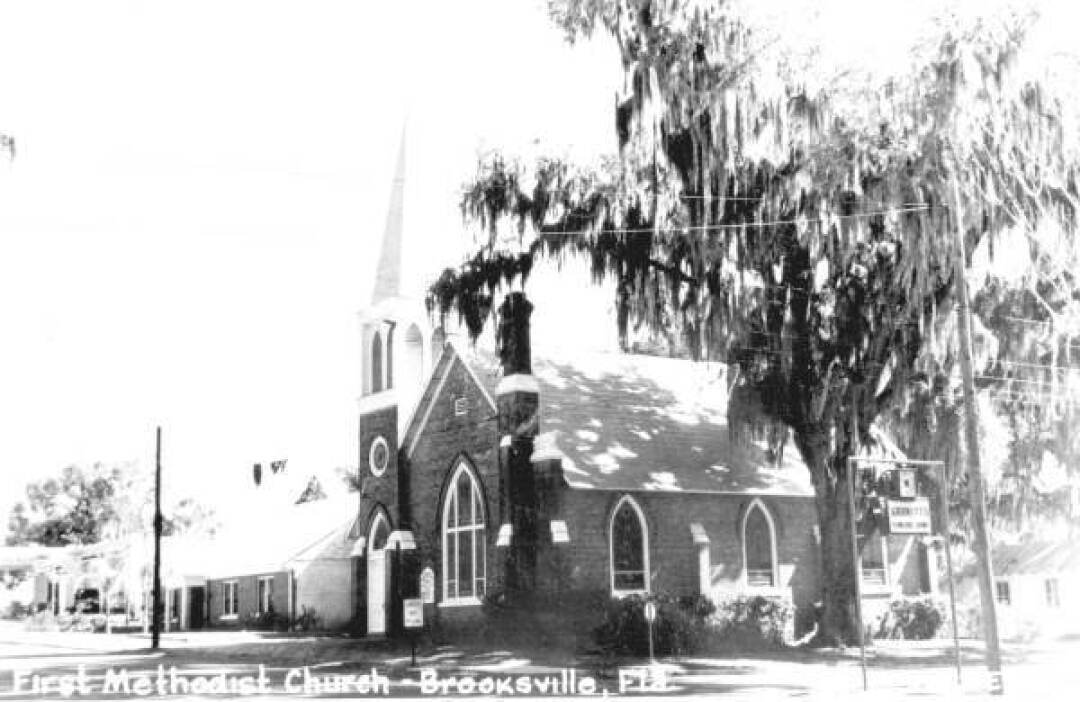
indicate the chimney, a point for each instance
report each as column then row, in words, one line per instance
column 518, row 398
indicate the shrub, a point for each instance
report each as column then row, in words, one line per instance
column 751, row 621
column 16, row 610
column 307, row 620
column 913, row 618
column 680, row 625
column 270, row 620
column 511, row 619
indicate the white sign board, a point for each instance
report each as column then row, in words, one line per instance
column 909, row 516
column 650, row 612
column 413, row 613
column 427, row 586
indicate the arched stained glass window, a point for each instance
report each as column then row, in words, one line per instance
column 759, row 546
column 629, row 548
column 464, row 538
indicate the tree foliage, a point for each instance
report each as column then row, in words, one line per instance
column 791, row 214
column 87, row 505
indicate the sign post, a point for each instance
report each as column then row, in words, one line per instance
column 412, row 611
column 907, row 513
column 650, row 617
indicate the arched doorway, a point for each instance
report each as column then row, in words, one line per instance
column 377, row 573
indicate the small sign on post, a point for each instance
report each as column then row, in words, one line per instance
column 427, row 586
column 413, row 613
column 909, row 516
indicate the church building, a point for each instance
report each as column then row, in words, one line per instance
column 572, row 471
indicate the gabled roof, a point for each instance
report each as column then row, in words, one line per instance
column 433, row 386
column 633, row 422
column 278, row 540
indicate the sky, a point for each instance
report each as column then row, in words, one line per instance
column 190, row 223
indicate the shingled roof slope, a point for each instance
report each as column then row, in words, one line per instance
column 1036, row 557
column 633, row 422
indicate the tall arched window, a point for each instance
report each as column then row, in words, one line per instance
column 628, row 548
column 389, row 356
column 413, row 366
column 464, row 541
column 376, row 364
column 759, row 546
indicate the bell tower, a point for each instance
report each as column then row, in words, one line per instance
column 396, row 356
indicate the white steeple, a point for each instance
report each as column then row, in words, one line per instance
column 388, row 271
column 396, row 336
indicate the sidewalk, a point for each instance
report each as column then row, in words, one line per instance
column 896, row 670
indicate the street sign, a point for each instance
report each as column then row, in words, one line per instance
column 909, row 516
column 427, row 586
column 413, row 613
column 650, row 612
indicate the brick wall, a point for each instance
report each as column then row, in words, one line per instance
column 446, row 437
column 583, row 564
column 248, row 603
column 382, row 490
column 673, row 556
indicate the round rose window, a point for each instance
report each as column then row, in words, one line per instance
column 379, row 456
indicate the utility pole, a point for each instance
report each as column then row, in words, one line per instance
column 155, row 632
column 975, row 476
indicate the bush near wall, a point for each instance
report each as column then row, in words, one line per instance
column 912, row 618
column 681, row 625
column 551, row 620
column 265, row 621
column 686, row 625
column 751, row 622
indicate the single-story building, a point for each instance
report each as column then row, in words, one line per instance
column 294, row 560
column 1035, row 588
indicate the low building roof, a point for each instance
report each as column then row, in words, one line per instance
column 1036, row 558
column 634, row 422
column 23, row 556
column 275, row 541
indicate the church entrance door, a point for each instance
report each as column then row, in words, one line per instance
column 377, row 575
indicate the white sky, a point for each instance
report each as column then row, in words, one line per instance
column 189, row 225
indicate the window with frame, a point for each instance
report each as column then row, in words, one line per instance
column 266, row 594
column 1002, row 592
column 1053, row 596
column 872, row 554
column 464, row 539
column 759, row 546
column 230, row 598
column 629, row 548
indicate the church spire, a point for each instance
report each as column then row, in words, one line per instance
column 388, row 272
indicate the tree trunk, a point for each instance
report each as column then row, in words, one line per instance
column 829, row 476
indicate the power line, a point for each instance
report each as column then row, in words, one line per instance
column 724, row 227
